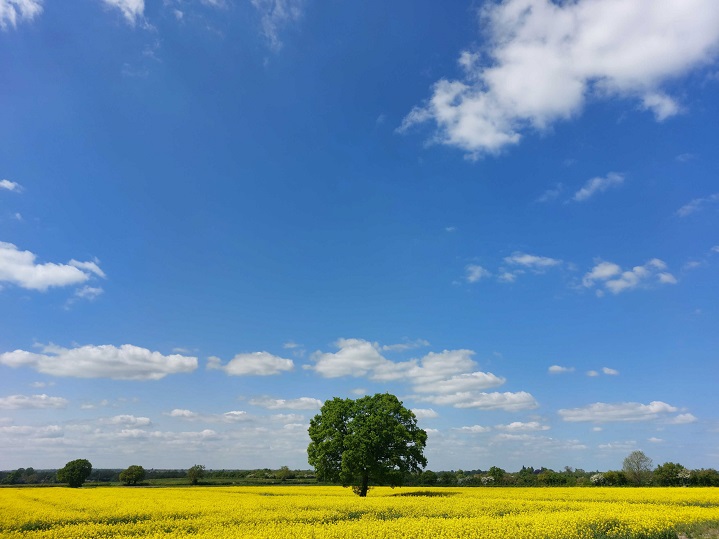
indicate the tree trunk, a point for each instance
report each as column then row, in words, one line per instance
column 365, row 485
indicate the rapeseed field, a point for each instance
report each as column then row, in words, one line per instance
column 333, row 512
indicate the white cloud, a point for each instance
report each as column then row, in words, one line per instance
column 697, row 204
column 255, row 364
column 601, row 412
column 558, row 369
column 19, row 268
column 536, row 263
column 127, row 420
column 276, row 14
column 183, row 414
column 476, row 273
column 615, row 280
column 132, row 10
column 126, row 362
column 610, row 372
column 592, row 373
column 598, row 185
column 545, row 59
column 25, row 431
column 551, row 194
column 17, row 402
column 407, row 345
column 302, row 403
column 424, row 413
column 7, row 184
column 661, row 105
column 475, row 429
column 655, row 440
column 12, row 12
column 234, row 416
column 442, row 377
column 519, row 426
column 486, row 401
column 682, row 419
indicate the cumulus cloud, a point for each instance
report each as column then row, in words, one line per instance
column 615, row 280
column 253, row 364
column 404, row 346
column 19, row 268
column 601, row 412
column 507, row 401
column 545, row 59
column 275, row 15
column 7, row 184
column 132, row 10
column 474, row 429
column 437, row 372
column 519, row 426
column 233, row 416
column 533, row 262
column 301, row 403
column 11, row 13
column 447, row 377
column 558, row 369
column 126, row 420
column 476, row 273
column 126, row 362
column 18, row 402
column 424, row 413
column 682, row 419
column 598, row 185
column 610, row 372
column 697, row 204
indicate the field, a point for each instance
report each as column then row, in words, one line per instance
column 334, row 512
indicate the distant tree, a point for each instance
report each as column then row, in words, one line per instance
column 428, row 478
column 497, row 474
column 705, row 478
column 638, row 468
column 615, row 478
column 196, row 473
column 371, row 439
column 133, row 475
column 668, row 474
column 75, row 472
column 284, row 473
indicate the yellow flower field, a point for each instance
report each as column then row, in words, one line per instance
column 334, row 512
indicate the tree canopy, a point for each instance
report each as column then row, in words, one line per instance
column 638, row 468
column 133, row 475
column 75, row 472
column 196, row 473
column 372, row 439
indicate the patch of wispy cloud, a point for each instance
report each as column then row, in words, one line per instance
column 558, row 369
column 252, row 364
column 545, row 59
column 301, row 403
column 126, row 362
column 598, row 185
column 601, row 412
column 611, row 277
column 7, row 185
column 475, row 273
column 276, row 15
column 132, row 10
column 13, row 12
column 36, row 402
column 697, row 204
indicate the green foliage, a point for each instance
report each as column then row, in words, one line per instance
column 75, row 472
column 371, row 439
column 638, row 468
column 133, row 475
column 196, row 473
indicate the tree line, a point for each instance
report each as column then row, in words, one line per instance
column 375, row 440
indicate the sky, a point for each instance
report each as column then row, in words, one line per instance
column 217, row 214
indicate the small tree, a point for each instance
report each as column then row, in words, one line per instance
column 372, row 439
column 638, row 468
column 196, row 473
column 75, row 472
column 133, row 475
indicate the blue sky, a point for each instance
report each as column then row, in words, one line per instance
column 216, row 214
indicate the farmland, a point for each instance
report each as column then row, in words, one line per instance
column 334, row 512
